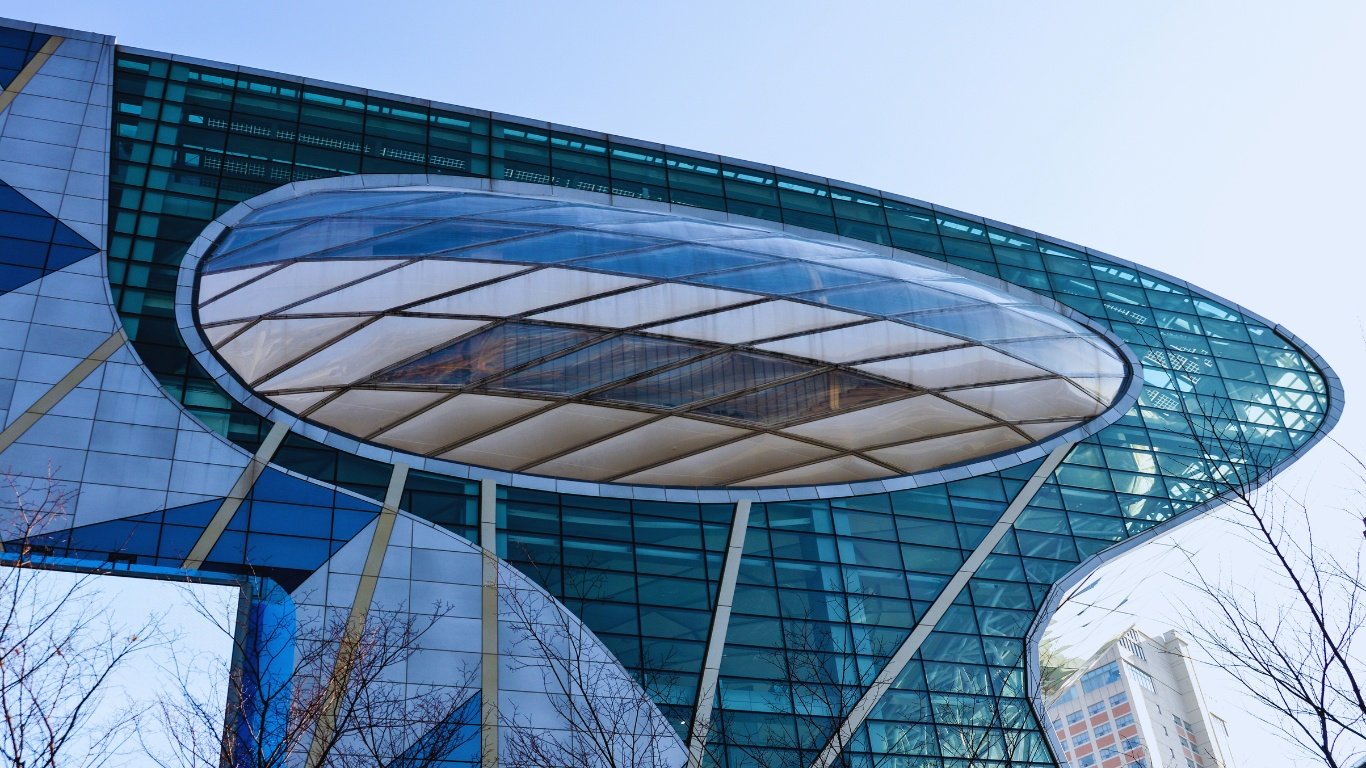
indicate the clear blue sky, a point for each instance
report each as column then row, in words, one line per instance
column 1219, row 141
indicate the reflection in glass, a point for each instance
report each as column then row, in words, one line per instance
column 806, row 398
column 785, row 278
column 616, row 358
column 485, row 354
column 887, row 298
column 673, row 261
column 704, row 379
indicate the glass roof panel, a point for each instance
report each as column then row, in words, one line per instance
column 844, row 469
column 917, row 417
column 485, row 354
column 950, row 449
column 1029, row 400
column 885, row 298
column 545, row 434
column 985, row 323
column 554, row 248
column 785, row 278
column 648, row 444
column 795, row 248
column 650, row 304
column 528, row 291
column 239, row 237
column 757, row 321
column 713, row 377
column 1067, row 355
column 284, row 287
column 214, row 285
column 461, row 205
column 681, row 229
column 805, row 398
column 673, row 261
column 576, row 216
column 958, row 367
column 364, row 411
column 617, row 358
column 431, row 238
column 757, row 455
column 459, row 418
column 332, row 203
column 269, row 344
column 308, row 239
column 412, row 282
column 379, row 344
column 860, row 342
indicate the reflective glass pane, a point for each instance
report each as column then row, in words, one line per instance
column 432, row 238
column 784, row 278
column 922, row 416
column 806, row 398
column 617, row 358
column 239, row 237
column 361, row 353
column 311, row 238
column 651, row 304
column 858, row 342
column 554, row 248
column 485, row 354
column 330, row 203
column 460, row 205
column 673, row 261
column 887, row 298
column 704, row 379
column 988, row 323
column 576, row 215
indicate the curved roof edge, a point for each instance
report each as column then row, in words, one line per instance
column 201, row 351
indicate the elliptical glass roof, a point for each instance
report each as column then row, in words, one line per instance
column 599, row 343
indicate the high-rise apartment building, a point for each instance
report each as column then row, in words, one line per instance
column 802, row 467
column 1138, row 702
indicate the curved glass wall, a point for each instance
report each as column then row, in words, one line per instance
column 596, row 346
column 835, row 580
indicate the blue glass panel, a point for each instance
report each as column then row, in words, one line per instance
column 451, row 743
column 308, row 239
column 577, row 215
column 33, row 242
column 239, row 237
column 704, row 379
column 556, row 248
column 485, row 354
column 432, row 238
column 329, row 204
column 807, row 398
column 673, row 261
column 17, row 49
column 617, row 358
column 785, row 278
column 887, row 298
column 985, row 323
column 461, row 205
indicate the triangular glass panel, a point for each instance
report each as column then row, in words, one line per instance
column 486, row 354
column 617, row 358
column 34, row 242
column 17, row 49
column 808, row 398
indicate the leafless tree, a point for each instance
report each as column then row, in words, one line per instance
column 61, row 646
column 1289, row 636
column 597, row 715
column 984, row 722
column 822, row 668
column 318, row 690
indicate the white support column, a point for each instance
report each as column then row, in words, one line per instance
column 488, row 660
column 716, row 638
column 897, row 664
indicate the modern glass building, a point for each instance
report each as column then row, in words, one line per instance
column 808, row 463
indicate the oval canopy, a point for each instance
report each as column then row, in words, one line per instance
column 600, row 343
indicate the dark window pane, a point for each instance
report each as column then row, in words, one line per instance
column 704, row 379
column 485, row 354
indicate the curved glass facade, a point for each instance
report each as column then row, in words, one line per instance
column 796, row 623
column 620, row 345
